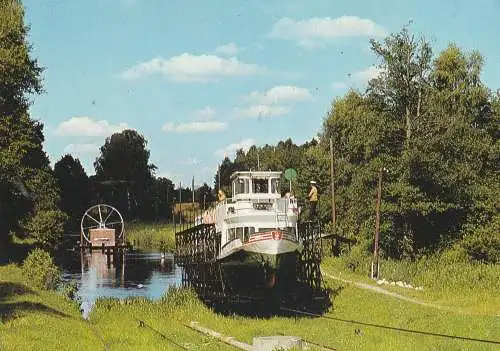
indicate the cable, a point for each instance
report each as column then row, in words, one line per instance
column 392, row 328
column 163, row 336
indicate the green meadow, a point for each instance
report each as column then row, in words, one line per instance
column 358, row 319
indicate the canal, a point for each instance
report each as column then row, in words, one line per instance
column 134, row 273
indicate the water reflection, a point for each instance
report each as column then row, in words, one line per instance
column 147, row 274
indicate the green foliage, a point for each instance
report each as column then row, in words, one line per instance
column 70, row 290
column 125, row 174
column 46, row 227
column 75, row 188
column 180, row 298
column 445, row 272
column 358, row 259
column 483, row 244
column 40, row 270
column 26, row 181
column 158, row 236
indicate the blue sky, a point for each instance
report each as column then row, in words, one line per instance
column 201, row 78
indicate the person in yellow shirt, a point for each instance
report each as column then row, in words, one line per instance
column 313, row 198
column 221, row 195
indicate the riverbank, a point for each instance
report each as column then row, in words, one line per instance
column 146, row 236
column 359, row 319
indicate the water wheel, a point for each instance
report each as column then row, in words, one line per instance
column 102, row 225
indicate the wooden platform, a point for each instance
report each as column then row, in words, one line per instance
column 102, row 236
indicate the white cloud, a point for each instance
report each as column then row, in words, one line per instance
column 82, row 149
column 257, row 111
column 366, row 74
column 205, row 113
column 194, row 127
column 188, row 68
column 85, row 126
column 310, row 32
column 227, row 49
column 230, row 150
column 359, row 78
column 280, row 94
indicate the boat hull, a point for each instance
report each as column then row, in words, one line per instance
column 260, row 266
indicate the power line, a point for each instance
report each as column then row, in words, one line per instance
column 392, row 328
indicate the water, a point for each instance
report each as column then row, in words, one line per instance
column 145, row 274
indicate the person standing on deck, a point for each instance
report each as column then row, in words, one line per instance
column 221, row 195
column 313, row 198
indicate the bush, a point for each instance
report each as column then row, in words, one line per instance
column 179, row 297
column 484, row 243
column 69, row 290
column 358, row 259
column 46, row 227
column 40, row 270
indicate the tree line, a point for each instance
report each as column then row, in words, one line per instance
column 431, row 126
column 427, row 122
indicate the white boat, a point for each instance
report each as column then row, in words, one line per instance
column 258, row 228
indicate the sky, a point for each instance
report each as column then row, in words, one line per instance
column 200, row 79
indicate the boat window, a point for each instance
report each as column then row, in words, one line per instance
column 261, row 230
column 260, row 186
column 248, row 231
column 275, row 186
column 241, row 186
column 232, row 233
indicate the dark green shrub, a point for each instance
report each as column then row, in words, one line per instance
column 46, row 227
column 40, row 270
column 484, row 243
column 70, row 289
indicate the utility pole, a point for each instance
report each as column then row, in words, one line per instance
column 332, row 170
column 180, row 203
column 375, row 263
column 192, row 187
column 218, row 179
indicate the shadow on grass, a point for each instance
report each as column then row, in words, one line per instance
column 269, row 306
column 10, row 311
column 14, row 252
column 8, row 289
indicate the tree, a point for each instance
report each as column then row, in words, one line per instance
column 163, row 196
column 27, row 185
column 204, row 195
column 75, row 188
column 405, row 65
column 226, row 168
column 124, row 165
column 431, row 123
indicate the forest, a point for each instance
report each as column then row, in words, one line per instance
column 427, row 123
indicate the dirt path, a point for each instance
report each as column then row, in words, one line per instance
column 388, row 293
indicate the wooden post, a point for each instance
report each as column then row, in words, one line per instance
column 375, row 264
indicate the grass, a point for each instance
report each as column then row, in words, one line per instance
column 160, row 236
column 33, row 319
column 167, row 317
column 470, row 287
